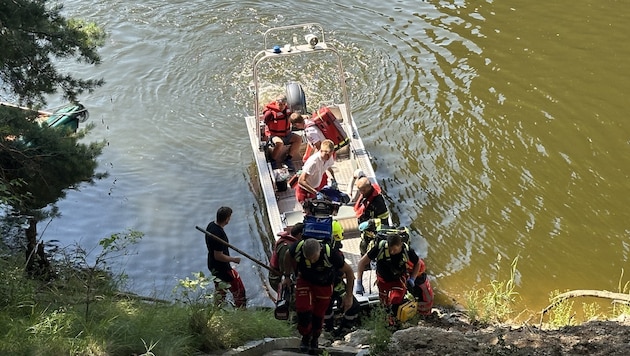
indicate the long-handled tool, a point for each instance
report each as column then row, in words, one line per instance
column 218, row 239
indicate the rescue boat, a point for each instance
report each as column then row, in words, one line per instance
column 298, row 61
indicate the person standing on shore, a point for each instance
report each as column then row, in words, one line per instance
column 219, row 260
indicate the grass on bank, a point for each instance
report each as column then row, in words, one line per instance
column 80, row 312
column 496, row 304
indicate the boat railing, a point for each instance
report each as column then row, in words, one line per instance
column 271, row 52
column 283, row 29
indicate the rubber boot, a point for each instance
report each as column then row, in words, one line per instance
column 314, row 346
column 305, row 343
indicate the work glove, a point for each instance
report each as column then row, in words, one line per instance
column 370, row 225
column 358, row 288
column 410, row 282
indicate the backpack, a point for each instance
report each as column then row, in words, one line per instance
column 281, row 244
column 385, row 231
column 383, row 253
column 320, row 228
column 318, row 219
column 375, row 234
column 320, row 207
column 327, row 123
column 299, row 254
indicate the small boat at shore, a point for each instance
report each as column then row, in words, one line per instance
column 68, row 116
column 298, row 61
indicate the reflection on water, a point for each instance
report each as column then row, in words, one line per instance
column 497, row 129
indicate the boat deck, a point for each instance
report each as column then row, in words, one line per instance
column 291, row 211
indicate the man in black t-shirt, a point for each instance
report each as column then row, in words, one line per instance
column 219, row 260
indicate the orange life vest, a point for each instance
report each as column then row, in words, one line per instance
column 362, row 203
column 277, row 122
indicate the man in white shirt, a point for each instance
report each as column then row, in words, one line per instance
column 314, row 177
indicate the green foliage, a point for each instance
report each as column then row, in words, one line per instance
column 621, row 308
column 34, row 35
column 591, row 311
column 495, row 305
column 377, row 323
column 95, row 277
column 215, row 327
column 193, row 291
column 38, row 168
column 17, row 293
column 562, row 314
column 49, row 318
column 37, row 165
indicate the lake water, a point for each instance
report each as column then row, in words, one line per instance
column 498, row 129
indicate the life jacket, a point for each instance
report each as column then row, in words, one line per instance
column 285, row 239
column 327, row 123
column 384, row 255
column 363, row 202
column 279, row 125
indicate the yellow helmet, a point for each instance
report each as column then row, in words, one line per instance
column 337, row 230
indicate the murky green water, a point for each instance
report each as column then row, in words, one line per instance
column 498, row 128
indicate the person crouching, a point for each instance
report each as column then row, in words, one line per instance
column 391, row 256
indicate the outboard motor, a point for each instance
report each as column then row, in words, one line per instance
column 296, row 100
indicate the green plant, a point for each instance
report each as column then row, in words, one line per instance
column 591, row 311
column 496, row 304
column 215, row 327
column 96, row 277
column 16, row 291
column 381, row 335
column 562, row 314
column 149, row 348
column 621, row 308
column 193, row 293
